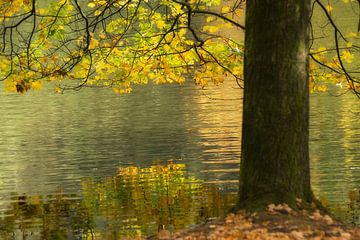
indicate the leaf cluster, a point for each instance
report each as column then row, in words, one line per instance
column 117, row 43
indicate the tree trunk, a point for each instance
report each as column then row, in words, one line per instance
column 275, row 155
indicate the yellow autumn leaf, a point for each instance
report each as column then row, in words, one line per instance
column 41, row 11
column 329, row 8
column 160, row 24
column 101, row 2
column 210, row 19
column 351, row 34
column 210, row 29
column 239, row 12
column 4, row 64
column 322, row 49
column 151, row 75
column 9, row 85
column 57, row 89
column 116, row 90
column 182, row 32
column 225, row 9
column 347, row 56
column 36, row 85
column 102, row 35
column 91, row 5
column 61, row 2
column 93, row 43
column 322, row 88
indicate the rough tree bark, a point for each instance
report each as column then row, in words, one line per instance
column 275, row 155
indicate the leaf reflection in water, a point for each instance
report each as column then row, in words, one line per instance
column 135, row 202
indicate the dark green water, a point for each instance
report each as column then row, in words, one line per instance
column 60, row 155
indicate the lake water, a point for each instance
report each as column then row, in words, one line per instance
column 334, row 148
column 94, row 163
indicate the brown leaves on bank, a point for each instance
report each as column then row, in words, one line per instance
column 278, row 222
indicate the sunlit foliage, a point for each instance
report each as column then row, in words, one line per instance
column 335, row 46
column 117, row 43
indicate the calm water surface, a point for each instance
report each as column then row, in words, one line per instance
column 93, row 163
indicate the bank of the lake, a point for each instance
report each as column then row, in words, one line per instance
column 279, row 222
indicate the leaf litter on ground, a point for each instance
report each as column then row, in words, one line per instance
column 278, row 222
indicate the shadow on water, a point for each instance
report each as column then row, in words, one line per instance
column 135, row 202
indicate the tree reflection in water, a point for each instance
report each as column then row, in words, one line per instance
column 354, row 207
column 135, row 202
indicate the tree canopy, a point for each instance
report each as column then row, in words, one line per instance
column 118, row 43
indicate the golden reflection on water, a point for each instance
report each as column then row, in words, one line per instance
column 135, row 202
column 335, row 158
column 224, row 124
column 224, row 139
